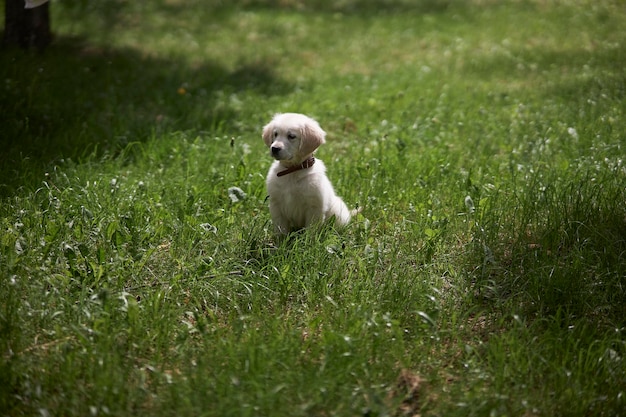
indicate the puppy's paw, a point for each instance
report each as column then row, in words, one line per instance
column 355, row 211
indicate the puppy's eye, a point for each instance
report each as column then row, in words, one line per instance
column 275, row 134
column 291, row 136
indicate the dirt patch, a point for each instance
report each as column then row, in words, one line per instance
column 408, row 387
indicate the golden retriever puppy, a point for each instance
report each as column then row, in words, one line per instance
column 299, row 190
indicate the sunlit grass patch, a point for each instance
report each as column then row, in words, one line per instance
column 484, row 275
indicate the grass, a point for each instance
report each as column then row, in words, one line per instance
column 484, row 276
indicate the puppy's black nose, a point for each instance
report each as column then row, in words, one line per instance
column 275, row 150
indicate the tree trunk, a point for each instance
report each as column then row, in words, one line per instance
column 26, row 27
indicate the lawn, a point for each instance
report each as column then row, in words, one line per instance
column 485, row 275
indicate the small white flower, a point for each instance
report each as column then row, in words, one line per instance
column 572, row 132
column 469, row 203
column 19, row 249
column 236, row 194
column 208, row 227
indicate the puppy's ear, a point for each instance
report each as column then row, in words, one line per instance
column 312, row 137
column 268, row 131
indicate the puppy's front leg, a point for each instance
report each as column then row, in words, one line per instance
column 314, row 217
column 281, row 226
column 280, row 229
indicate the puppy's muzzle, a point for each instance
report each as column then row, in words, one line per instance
column 276, row 151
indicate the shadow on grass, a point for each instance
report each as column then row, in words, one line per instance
column 566, row 259
column 76, row 99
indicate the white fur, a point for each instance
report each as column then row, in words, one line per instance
column 304, row 197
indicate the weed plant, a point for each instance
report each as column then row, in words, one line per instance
column 485, row 275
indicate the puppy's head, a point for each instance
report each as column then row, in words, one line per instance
column 292, row 137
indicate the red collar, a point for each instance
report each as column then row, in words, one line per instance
column 308, row 163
